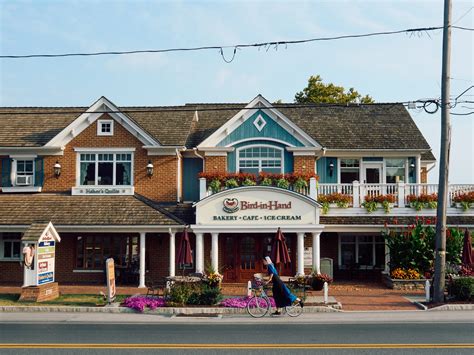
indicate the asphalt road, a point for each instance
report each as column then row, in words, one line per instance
column 240, row 336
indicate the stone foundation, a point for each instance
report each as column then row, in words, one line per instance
column 397, row 284
column 40, row 293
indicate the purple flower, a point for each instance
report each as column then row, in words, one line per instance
column 139, row 303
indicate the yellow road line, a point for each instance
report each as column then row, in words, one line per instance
column 238, row 346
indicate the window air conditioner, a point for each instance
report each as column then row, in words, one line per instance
column 24, row 180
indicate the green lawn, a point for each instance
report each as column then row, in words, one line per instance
column 63, row 300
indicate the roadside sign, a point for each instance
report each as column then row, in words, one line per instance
column 110, row 270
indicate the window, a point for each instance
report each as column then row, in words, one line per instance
column 349, row 171
column 260, row 159
column 10, row 245
column 395, row 170
column 24, row 172
column 363, row 250
column 93, row 250
column 105, row 128
column 109, row 169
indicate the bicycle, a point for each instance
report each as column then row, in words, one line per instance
column 259, row 303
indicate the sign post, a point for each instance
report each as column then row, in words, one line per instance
column 110, row 270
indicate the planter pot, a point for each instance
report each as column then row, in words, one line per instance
column 459, row 205
column 399, row 284
column 317, row 285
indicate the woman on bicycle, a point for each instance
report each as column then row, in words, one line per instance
column 281, row 293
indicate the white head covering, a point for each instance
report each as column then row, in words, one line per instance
column 268, row 260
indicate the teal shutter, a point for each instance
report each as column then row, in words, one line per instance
column 39, row 172
column 6, row 171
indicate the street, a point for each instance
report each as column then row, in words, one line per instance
column 340, row 333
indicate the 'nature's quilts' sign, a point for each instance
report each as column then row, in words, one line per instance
column 259, row 205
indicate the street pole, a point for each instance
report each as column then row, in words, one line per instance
column 440, row 248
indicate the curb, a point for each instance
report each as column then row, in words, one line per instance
column 453, row 307
column 163, row 311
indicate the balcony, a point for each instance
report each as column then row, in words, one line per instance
column 356, row 194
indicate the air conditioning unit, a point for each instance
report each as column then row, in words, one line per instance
column 24, row 180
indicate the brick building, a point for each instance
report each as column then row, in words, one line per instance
column 123, row 182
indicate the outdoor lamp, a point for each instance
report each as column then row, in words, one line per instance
column 149, row 169
column 57, row 169
column 331, row 168
column 412, row 169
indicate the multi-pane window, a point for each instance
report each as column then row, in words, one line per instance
column 93, row 250
column 395, row 170
column 10, row 246
column 362, row 250
column 260, row 159
column 24, row 172
column 349, row 170
column 108, row 169
column 105, row 128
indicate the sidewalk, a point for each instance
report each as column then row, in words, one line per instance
column 354, row 296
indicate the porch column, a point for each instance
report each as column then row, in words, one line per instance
column 199, row 253
column 142, row 259
column 387, row 258
column 300, row 253
column 215, row 252
column 316, row 253
column 172, row 265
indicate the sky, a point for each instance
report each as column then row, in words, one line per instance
column 388, row 68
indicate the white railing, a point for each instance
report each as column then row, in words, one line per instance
column 358, row 192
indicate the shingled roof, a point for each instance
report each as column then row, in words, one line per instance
column 64, row 209
column 378, row 126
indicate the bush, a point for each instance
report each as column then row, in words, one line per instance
column 179, row 293
column 463, row 288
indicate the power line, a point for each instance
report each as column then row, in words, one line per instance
column 274, row 44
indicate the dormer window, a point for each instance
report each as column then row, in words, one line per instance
column 24, row 173
column 105, row 127
column 256, row 159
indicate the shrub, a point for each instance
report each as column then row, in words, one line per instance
column 179, row 293
column 463, row 288
column 231, row 183
column 282, row 183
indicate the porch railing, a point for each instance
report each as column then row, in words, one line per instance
column 359, row 191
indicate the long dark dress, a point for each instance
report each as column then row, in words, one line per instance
column 281, row 293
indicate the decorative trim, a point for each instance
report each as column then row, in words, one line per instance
column 102, row 105
column 303, row 151
column 260, row 139
column 258, row 103
column 259, row 123
column 21, row 189
column 32, row 151
column 106, row 150
column 163, row 150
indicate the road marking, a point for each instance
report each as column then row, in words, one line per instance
column 238, row 346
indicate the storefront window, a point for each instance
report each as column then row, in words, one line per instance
column 260, row 159
column 395, row 170
column 360, row 250
column 93, row 250
column 105, row 169
column 349, row 171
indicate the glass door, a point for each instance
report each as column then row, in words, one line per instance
column 373, row 178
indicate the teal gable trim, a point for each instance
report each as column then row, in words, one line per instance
column 272, row 129
column 287, row 156
column 372, row 159
column 322, row 169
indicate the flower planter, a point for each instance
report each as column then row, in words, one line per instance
column 399, row 284
column 317, row 285
column 459, row 205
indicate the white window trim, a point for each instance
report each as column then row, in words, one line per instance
column 339, row 168
column 13, row 175
column 237, row 163
column 96, row 152
column 99, row 128
column 2, row 249
column 356, row 242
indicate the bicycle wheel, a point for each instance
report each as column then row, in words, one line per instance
column 258, row 306
column 294, row 310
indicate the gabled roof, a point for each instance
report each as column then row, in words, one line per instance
column 369, row 127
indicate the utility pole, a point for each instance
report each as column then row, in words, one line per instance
column 440, row 248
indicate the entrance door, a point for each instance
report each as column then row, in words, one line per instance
column 373, row 178
column 243, row 256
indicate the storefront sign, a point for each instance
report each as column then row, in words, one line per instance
column 259, row 205
column 46, row 256
column 308, row 257
column 118, row 190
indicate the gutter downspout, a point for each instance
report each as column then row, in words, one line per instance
column 200, row 156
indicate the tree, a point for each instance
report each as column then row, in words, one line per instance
column 318, row 92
